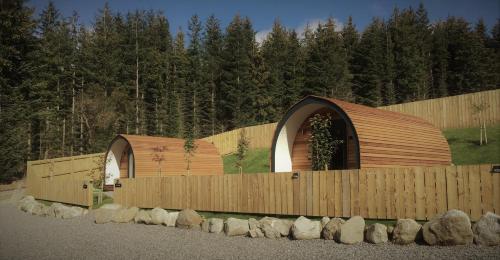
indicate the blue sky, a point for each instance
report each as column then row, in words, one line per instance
column 293, row 13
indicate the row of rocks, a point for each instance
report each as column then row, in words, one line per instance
column 30, row 205
column 451, row 228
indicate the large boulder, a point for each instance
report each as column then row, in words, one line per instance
column 236, row 227
column 73, row 212
column 25, row 200
column 487, row 230
column 304, row 228
column 56, row 210
column 171, row 219
column 216, row 225
column 331, row 229
column 253, row 224
column 376, row 233
column 256, row 233
column 324, row 221
column 125, row 215
column 205, row 226
column 158, row 216
column 406, row 231
column 351, row 232
column 188, row 219
column 143, row 216
column 282, row 226
column 269, row 231
column 29, row 205
column 102, row 216
column 37, row 209
column 451, row 228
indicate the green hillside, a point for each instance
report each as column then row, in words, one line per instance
column 465, row 148
column 257, row 161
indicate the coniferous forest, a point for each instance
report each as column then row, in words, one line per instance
column 67, row 88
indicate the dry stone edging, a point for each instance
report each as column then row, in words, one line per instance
column 451, row 228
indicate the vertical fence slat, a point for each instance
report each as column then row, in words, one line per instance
column 380, row 193
column 399, row 183
column 354, row 188
column 346, row 194
column 419, row 194
column 363, row 211
column 486, row 188
column 441, row 189
column 316, row 190
column 451, row 187
column 323, row 202
column 371, row 194
column 338, row 193
column 475, row 192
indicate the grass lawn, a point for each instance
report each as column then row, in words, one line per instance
column 465, row 148
column 256, row 161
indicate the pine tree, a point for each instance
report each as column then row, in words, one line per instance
column 410, row 66
column 17, row 46
column 350, row 38
column 370, row 65
column 275, row 54
column 178, row 81
column 212, row 56
column 439, row 61
column 237, row 67
column 327, row 72
column 195, row 103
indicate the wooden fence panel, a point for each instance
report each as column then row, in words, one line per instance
column 419, row 192
column 63, row 179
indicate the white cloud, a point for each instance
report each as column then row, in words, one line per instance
column 260, row 36
column 313, row 24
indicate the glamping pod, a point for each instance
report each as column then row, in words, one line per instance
column 370, row 137
column 131, row 156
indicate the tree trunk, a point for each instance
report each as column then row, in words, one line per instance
column 136, row 80
column 63, row 137
column 81, row 118
column 72, row 147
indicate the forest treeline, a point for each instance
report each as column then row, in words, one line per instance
column 67, row 88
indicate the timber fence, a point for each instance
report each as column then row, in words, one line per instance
column 419, row 192
column 65, row 179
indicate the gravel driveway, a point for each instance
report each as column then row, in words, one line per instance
column 23, row 236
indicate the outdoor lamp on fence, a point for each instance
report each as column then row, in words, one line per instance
column 117, row 183
column 495, row 169
column 85, row 184
column 295, row 175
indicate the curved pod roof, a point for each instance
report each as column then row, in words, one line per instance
column 155, row 155
column 382, row 138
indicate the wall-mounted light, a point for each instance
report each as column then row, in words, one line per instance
column 117, row 183
column 85, row 184
column 495, row 169
column 295, row 175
